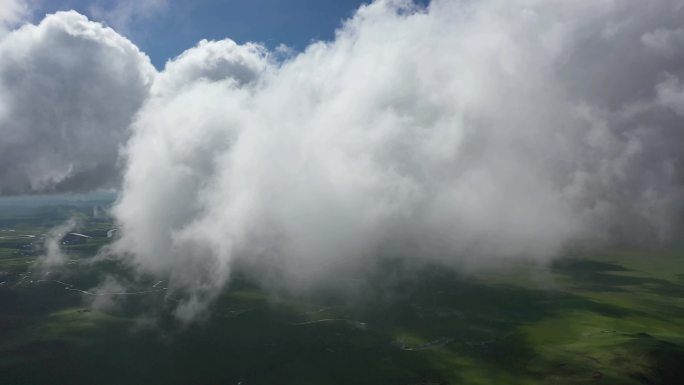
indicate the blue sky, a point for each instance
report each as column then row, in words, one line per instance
column 165, row 30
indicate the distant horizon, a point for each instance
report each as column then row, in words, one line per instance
column 48, row 198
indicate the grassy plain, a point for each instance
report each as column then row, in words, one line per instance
column 598, row 315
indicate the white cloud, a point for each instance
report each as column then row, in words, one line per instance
column 69, row 89
column 459, row 132
column 212, row 61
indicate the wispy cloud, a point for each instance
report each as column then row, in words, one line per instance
column 11, row 13
column 53, row 257
column 122, row 14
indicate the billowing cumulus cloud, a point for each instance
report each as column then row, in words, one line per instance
column 212, row 61
column 453, row 133
column 69, row 89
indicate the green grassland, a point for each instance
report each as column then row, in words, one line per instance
column 597, row 315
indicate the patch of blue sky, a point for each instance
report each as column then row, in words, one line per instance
column 165, row 28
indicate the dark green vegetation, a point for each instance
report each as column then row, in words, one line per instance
column 597, row 316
